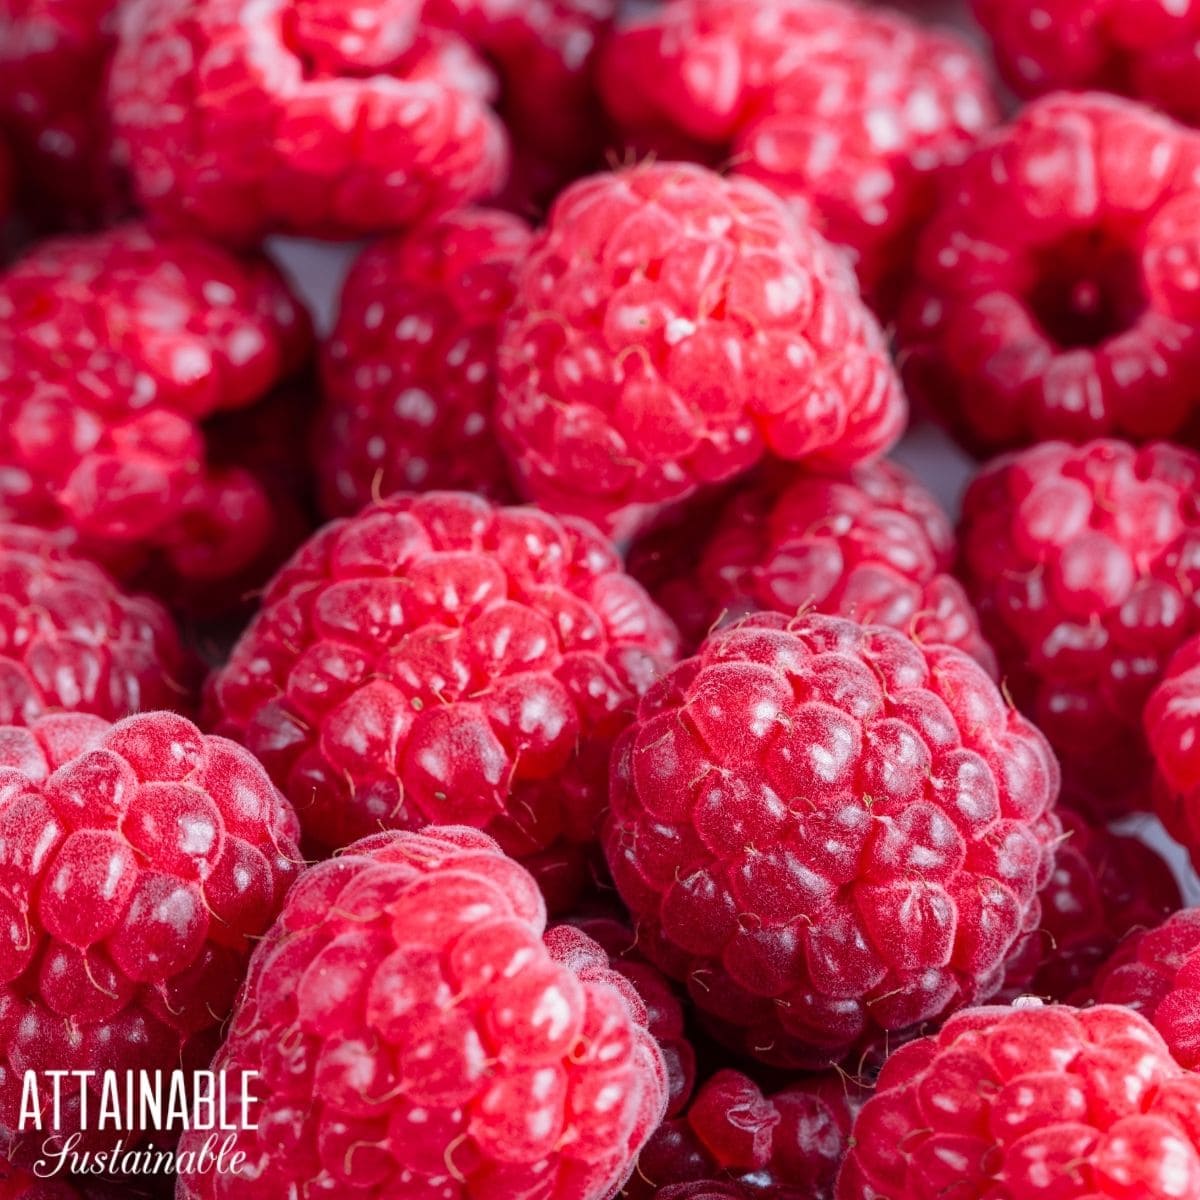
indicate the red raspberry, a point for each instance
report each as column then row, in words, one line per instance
column 71, row 639
column 410, row 370
column 670, row 327
column 826, row 102
column 1143, row 50
column 788, row 1145
column 240, row 117
column 664, row 1012
column 1170, row 720
column 16, row 1184
column 1056, row 291
column 870, row 544
column 1104, row 885
column 113, row 350
column 436, row 658
column 830, row 833
column 417, row 1036
column 1020, row 1102
column 1157, row 973
column 1084, row 565
column 140, row 860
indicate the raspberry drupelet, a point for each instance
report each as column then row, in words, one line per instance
column 1157, row 973
column 416, row 1033
column 831, row 834
column 438, row 658
column 72, row 640
column 1022, row 1101
column 1055, row 291
column 833, row 105
column 410, row 368
column 1171, row 721
column 140, row 862
column 669, row 329
column 1084, row 566
column 239, row 118
column 1147, row 51
column 870, row 544
column 787, row 1145
column 114, row 349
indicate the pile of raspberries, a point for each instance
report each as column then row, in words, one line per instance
column 600, row 599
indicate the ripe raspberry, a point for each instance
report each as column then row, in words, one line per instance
column 664, row 1012
column 670, row 328
column 410, row 370
column 1147, row 51
column 1008, row 1102
column 828, row 103
column 1084, row 565
column 830, row 833
column 436, row 658
column 1157, row 973
column 16, row 1184
column 788, row 1145
column 113, row 350
column 71, row 639
column 1104, row 885
column 416, row 1035
column 138, row 862
column 1170, row 720
column 1055, row 293
column 870, row 544
column 239, row 117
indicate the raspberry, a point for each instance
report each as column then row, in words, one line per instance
column 113, row 350
column 788, row 1145
column 1147, row 51
column 870, row 544
column 1084, row 564
column 1170, row 721
column 16, row 1184
column 410, row 370
column 139, row 861
column 239, row 117
column 670, row 327
column 1020, row 1101
column 830, row 833
column 1055, row 294
column 828, row 103
column 53, row 56
column 437, row 658
column 664, row 1012
column 1104, row 885
column 415, row 1035
column 71, row 639
column 1157, row 973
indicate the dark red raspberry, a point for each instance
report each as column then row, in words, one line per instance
column 870, row 544
column 1171, row 720
column 410, row 369
column 664, row 1012
column 239, row 117
column 138, row 863
column 1056, row 291
column 1104, row 885
column 1028, row 1101
column 436, row 658
column 71, row 639
column 1143, row 50
column 787, row 1145
column 671, row 327
column 1084, row 565
column 832, row 834
column 16, row 1184
column 113, row 350
column 415, row 1035
column 53, row 57
column 829, row 103
column 1157, row 973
